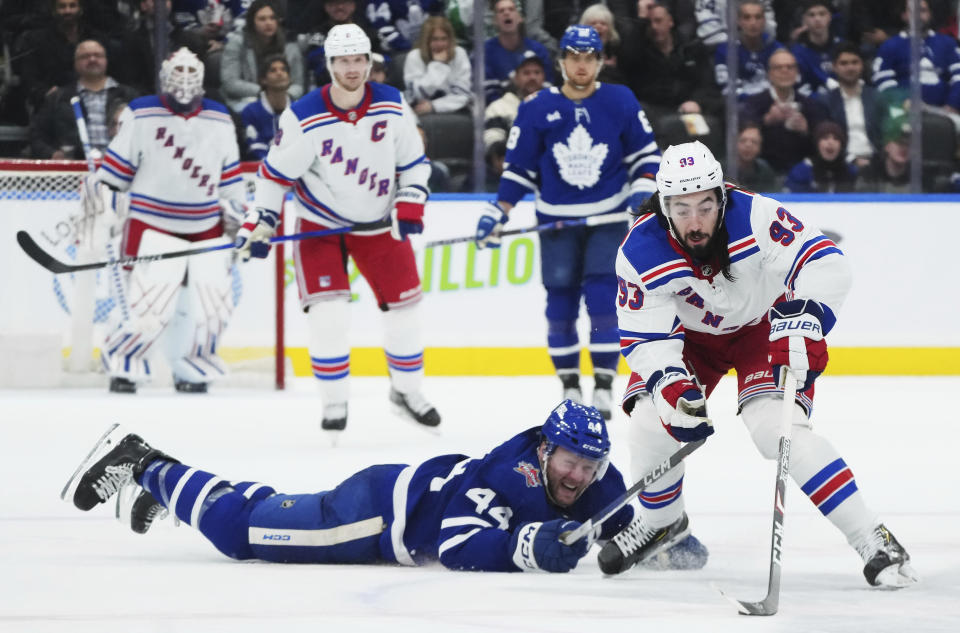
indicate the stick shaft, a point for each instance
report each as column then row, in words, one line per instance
column 591, row 220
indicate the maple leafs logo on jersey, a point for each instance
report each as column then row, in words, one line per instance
column 530, row 474
column 579, row 160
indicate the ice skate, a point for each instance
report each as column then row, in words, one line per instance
column 183, row 386
column 122, row 385
column 639, row 543
column 334, row 417
column 415, row 406
column 603, row 395
column 116, row 459
column 138, row 509
column 887, row 563
column 571, row 388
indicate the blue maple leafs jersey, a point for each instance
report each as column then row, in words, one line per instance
column 464, row 511
column 939, row 67
column 580, row 158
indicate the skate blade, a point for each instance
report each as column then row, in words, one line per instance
column 400, row 412
column 103, row 446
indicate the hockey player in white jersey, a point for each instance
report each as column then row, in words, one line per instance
column 176, row 158
column 351, row 153
column 584, row 149
column 713, row 278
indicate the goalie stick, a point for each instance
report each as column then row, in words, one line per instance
column 769, row 605
column 591, row 220
column 569, row 538
column 54, row 265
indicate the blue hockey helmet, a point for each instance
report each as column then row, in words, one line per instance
column 581, row 430
column 580, row 38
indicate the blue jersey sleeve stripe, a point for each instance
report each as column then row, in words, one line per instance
column 413, row 163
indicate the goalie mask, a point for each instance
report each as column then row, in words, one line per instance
column 582, row 432
column 181, row 77
column 346, row 39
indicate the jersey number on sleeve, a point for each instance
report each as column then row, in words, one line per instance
column 514, row 136
column 629, row 295
column 780, row 233
column 482, row 497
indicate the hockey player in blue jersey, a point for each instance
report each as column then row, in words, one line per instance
column 583, row 149
column 502, row 512
column 714, row 278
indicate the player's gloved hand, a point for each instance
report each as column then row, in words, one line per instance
column 681, row 405
column 537, row 546
column 637, row 199
column 796, row 340
column 91, row 196
column 253, row 238
column 406, row 217
column 490, row 225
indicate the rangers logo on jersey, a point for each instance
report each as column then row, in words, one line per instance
column 530, row 474
column 580, row 160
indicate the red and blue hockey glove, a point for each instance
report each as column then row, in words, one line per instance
column 406, row 217
column 681, row 405
column 253, row 238
column 490, row 225
column 796, row 340
column 538, row 546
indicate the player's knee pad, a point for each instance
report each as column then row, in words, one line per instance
column 761, row 416
column 563, row 304
column 226, row 523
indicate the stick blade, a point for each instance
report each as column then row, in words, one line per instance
column 767, row 606
column 37, row 254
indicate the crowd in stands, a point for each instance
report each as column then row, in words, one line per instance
column 822, row 85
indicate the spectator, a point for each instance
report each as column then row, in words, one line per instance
column 329, row 14
column 601, row 19
column 134, row 65
column 786, row 118
column 682, row 11
column 753, row 51
column 528, row 78
column 378, row 68
column 45, row 55
column 209, row 20
column 753, row 172
column 460, row 14
column 398, row 22
column 261, row 119
column 667, row 73
column 262, row 35
column 504, row 52
column 437, row 72
column 814, row 48
column 855, row 106
column 889, row 171
column 871, row 23
column 711, row 16
column 53, row 131
column 827, row 170
column 940, row 64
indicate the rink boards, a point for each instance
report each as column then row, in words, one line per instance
column 483, row 310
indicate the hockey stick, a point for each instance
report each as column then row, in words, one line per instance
column 569, row 538
column 769, row 605
column 591, row 220
column 45, row 259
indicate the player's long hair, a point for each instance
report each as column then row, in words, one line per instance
column 718, row 242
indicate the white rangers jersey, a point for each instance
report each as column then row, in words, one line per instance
column 664, row 292
column 175, row 167
column 343, row 166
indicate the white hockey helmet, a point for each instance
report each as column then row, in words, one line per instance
column 346, row 39
column 688, row 168
column 181, row 76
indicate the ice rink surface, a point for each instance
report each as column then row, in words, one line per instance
column 63, row 570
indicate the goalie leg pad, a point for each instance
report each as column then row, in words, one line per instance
column 201, row 319
column 403, row 346
column 329, row 348
column 152, row 294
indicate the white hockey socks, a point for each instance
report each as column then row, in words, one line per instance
column 329, row 323
column 403, row 347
